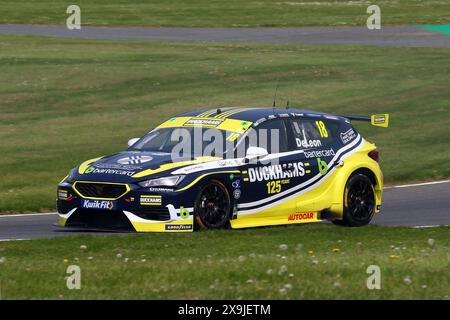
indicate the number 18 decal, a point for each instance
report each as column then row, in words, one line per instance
column 322, row 129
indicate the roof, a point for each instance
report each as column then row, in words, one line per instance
column 252, row 114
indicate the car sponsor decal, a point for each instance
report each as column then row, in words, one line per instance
column 348, row 136
column 276, row 171
column 203, row 122
column 110, row 171
column 62, row 194
column 135, row 159
column 319, row 153
column 150, row 200
column 237, row 194
column 232, row 125
column 98, row 204
column 304, row 216
column 323, row 167
column 178, row 227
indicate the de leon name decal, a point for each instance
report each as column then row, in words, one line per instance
column 278, row 171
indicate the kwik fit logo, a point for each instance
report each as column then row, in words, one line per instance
column 98, row 204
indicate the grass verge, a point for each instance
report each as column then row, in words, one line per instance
column 320, row 262
column 64, row 101
column 232, row 13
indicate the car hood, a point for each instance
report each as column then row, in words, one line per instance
column 131, row 166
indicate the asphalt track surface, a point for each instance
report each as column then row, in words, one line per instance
column 396, row 36
column 423, row 205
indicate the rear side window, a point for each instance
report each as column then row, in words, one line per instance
column 312, row 133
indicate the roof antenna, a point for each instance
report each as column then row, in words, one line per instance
column 219, row 111
column 275, row 95
column 287, row 105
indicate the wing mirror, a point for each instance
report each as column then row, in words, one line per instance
column 132, row 141
column 255, row 153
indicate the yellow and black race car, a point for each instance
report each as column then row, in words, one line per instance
column 272, row 167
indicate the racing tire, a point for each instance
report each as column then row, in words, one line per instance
column 359, row 202
column 212, row 206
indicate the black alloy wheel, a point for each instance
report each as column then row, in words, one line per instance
column 359, row 202
column 213, row 206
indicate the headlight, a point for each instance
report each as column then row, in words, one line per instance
column 70, row 177
column 162, row 182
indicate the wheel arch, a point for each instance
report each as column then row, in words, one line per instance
column 371, row 171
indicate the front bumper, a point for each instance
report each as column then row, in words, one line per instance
column 138, row 209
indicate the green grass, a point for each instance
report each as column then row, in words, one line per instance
column 322, row 261
column 65, row 101
column 232, row 13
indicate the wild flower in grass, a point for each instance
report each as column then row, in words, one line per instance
column 336, row 250
column 269, row 271
column 76, row 259
column 291, row 275
column 283, row 247
column 424, row 286
column 83, row 247
column 430, row 242
column 143, row 260
column 283, row 257
column 315, row 261
column 66, row 260
column 212, row 287
column 339, row 241
column 252, row 255
column 90, row 258
column 189, row 261
column 288, row 286
column 283, row 291
column 359, row 243
column 119, row 255
column 337, row 284
column 394, row 257
column 311, row 252
column 411, row 259
column 250, row 281
column 2, row 260
column 241, row 258
column 407, row 280
column 126, row 260
column 282, row 270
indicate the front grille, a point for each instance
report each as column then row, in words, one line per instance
column 159, row 214
column 98, row 219
column 100, row 190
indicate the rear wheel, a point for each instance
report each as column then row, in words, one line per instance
column 213, row 206
column 359, row 202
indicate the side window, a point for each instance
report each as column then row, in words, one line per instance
column 270, row 135
column 312, row 133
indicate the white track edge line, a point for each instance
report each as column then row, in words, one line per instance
column 418, row 184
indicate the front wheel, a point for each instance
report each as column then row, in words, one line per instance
column 359, row 202
column 213, row 206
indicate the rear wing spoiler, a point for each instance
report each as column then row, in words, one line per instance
column 379, row 120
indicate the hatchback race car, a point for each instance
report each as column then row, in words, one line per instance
column 310, row 167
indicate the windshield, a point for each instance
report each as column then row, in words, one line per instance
column 193, row 140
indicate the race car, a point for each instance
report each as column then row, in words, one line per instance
column 302, row 167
